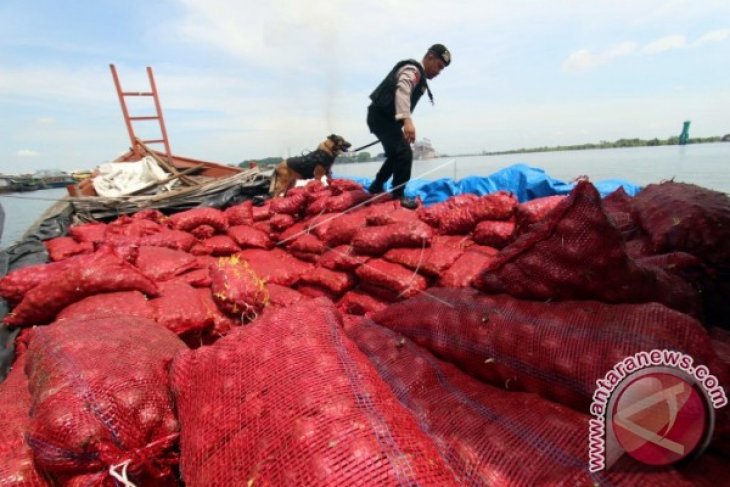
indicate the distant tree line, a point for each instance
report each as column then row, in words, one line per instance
column 341, row 159
column 636, row 142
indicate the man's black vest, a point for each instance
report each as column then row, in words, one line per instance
column 384, row 95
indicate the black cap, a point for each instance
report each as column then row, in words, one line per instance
column 441, row 51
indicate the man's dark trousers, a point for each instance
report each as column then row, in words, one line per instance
column 398, row 153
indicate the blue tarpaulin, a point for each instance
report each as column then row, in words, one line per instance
column 525, row 182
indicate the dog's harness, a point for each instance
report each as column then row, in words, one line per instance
column 306, row 163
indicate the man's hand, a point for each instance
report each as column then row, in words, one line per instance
column 409, row 130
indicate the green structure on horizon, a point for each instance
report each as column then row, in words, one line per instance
column 684, row 136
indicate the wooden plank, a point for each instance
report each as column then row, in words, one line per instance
column 167, row 166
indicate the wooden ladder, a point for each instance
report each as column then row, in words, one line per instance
column 128, row 120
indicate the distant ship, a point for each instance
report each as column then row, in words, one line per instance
column 422, row 149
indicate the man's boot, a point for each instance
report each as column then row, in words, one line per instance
column 408, row 203
column 375, row 187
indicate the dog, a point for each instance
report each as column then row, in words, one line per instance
column 314, row 165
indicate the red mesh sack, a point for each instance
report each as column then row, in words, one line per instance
column 281, row 296
column 88, row 232
column 671, row 261
column 618, row 201
column 338, row 203
column 196, row 277
column 261, row 213
column 342, row 258
column 160, row 263
column 431, row 261
column 379, row 292
column 463, row 219
column 313, row 291
column 275, row 266
column 397, row 215
column 119, row 240
column 237, row 289
column 307, row 243
column 281, row 222
column 61, row 248
column 314, row 186
column 127, row 303
column 102, row 272
column 639, row 247
column 248, row 237
column 189, row 219
column 173, row 239
column 202, row 232
column 705, row 470
column 720, row 343
column 343, row 228
column 577, row 253
column 404, row 282
column 465, row 269
column 311, row 257
column 338, row 186
column 432, row 214
column 336, row 282
column 222, row 324
column 241, row 214
column 489, row 436
column 458, row 242
column 221, row 245
column 688, row 218
column 100, row 397
column 557, row 350
column 263, row 226
column 180, row 309
column 537, row 209
column 293, row 232
column 200, row 249
column 125, row 251
column 313, row 410
column 291, row 204
column 133, row 228
column 17, row 283
column 319, row 224
column 378, row 240
column 618, row 206
column 494, row 233
column 150, row 214
column 17, row 468
column 358, row 303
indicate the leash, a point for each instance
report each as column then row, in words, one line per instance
column 364, row 147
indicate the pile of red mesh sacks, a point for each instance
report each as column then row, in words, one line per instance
column 289, row 384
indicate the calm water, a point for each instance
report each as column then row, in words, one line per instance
column 22, row 209
column 703, row 164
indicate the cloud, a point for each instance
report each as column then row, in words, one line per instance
column 665, row 44
column 45, row 121
column 26, row 153
column 712, row 37
column 583, row 59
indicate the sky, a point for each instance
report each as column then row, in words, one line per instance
column 243, row 80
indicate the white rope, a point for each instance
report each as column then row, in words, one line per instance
column 122, row 478
column 418, row 267
column 369, row 200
